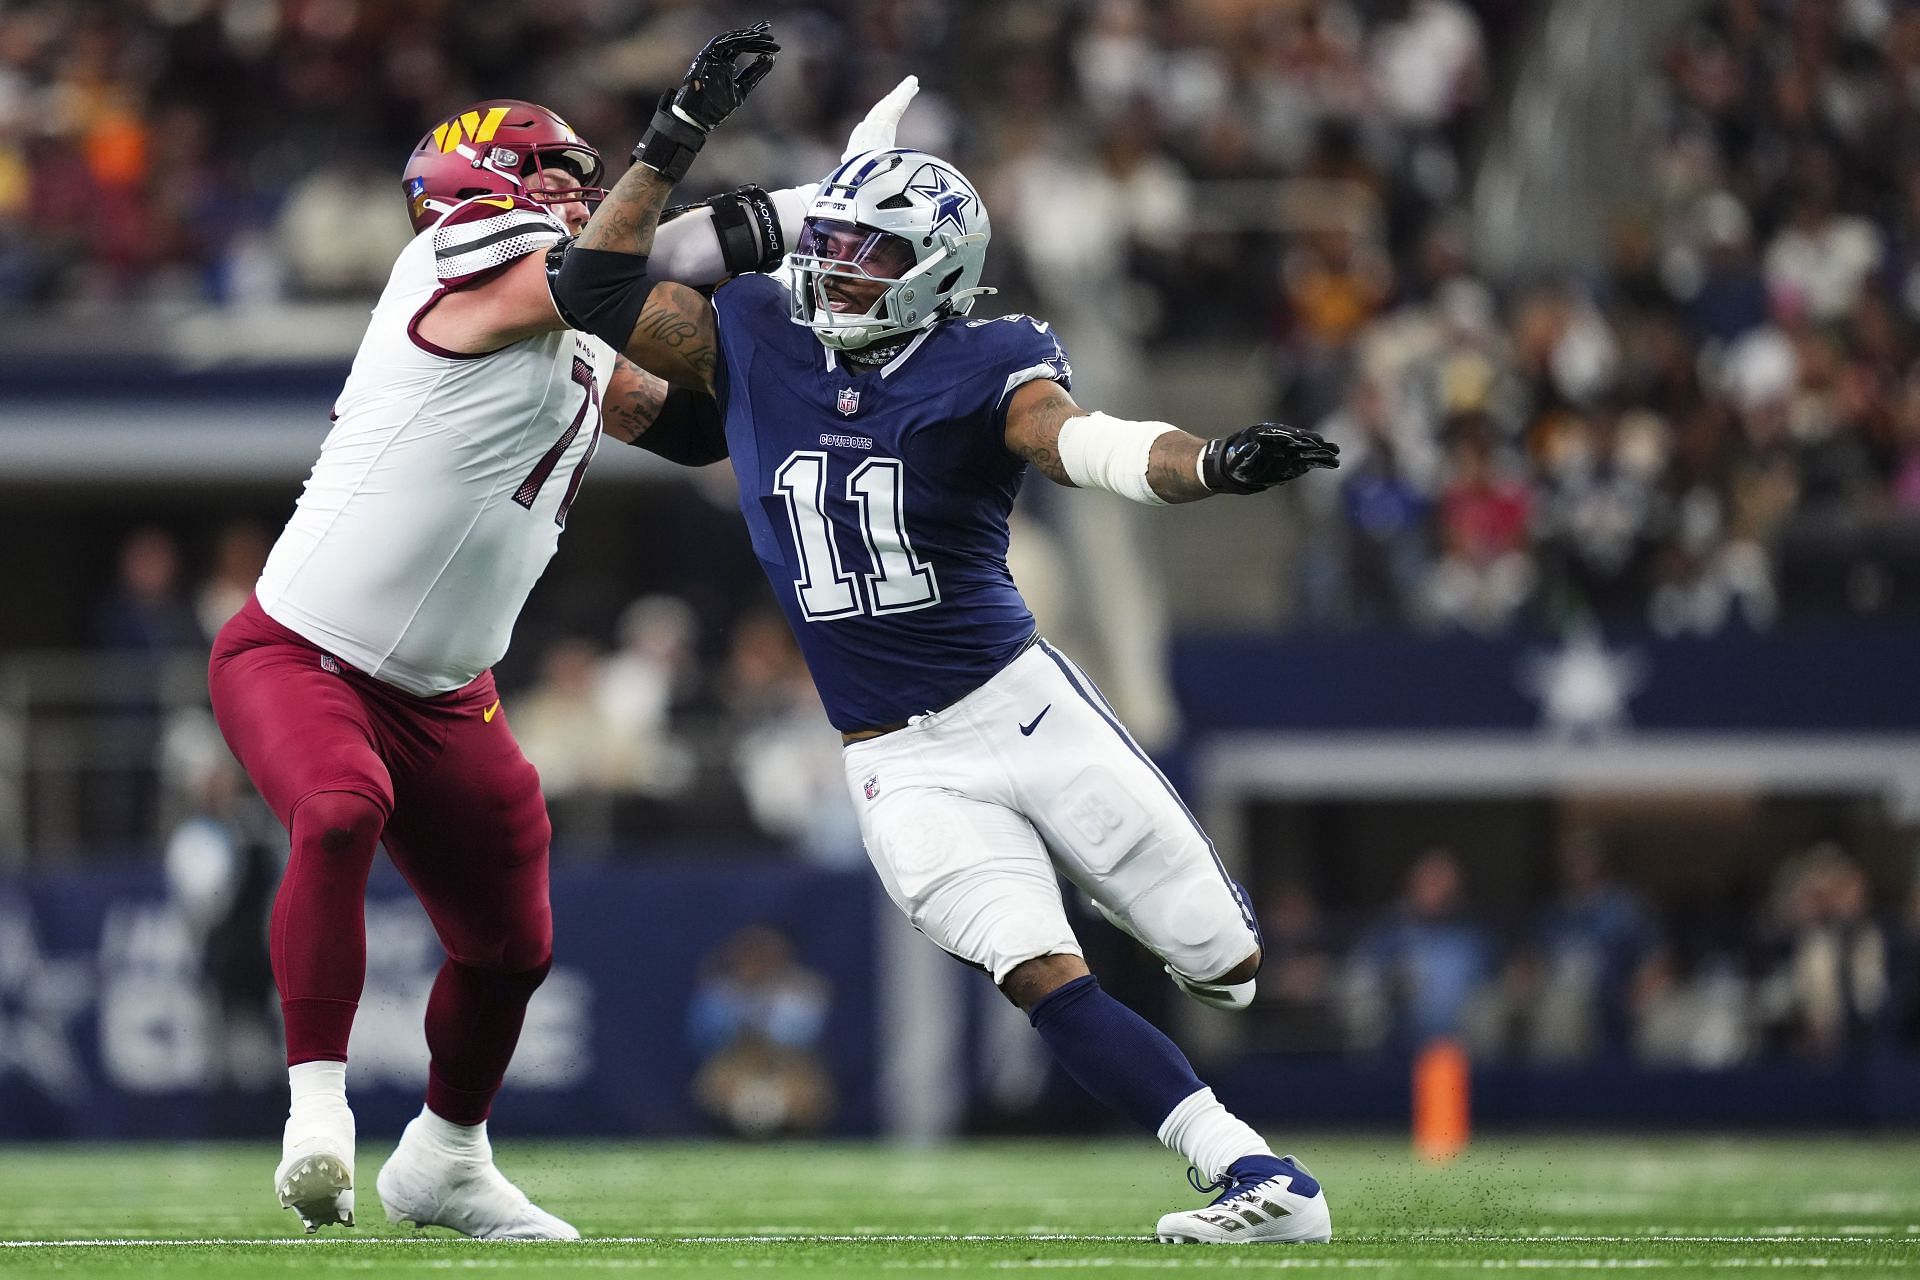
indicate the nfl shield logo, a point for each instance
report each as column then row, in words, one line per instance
column 872, row 787
column 849, row 401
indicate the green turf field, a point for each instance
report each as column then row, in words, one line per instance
column 1678, row 1206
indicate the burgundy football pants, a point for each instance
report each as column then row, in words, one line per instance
column 349, row 762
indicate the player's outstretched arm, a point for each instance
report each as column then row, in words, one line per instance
column 600, row 282
column 528, row 297
column 1153, row 462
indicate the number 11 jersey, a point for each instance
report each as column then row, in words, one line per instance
column 440, row 493
column 877, row 497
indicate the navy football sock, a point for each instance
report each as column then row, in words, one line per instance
column 1113, row 1053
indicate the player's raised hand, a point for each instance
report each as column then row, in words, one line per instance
column 718, row 80
column 875, row 132
column 716, row 83
column 1264, row 455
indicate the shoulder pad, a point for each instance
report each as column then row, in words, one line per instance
column 1025, row 350
column 487, row 232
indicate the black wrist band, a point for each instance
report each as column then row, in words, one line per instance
column 1213, row 470
column 748, row 228
column 669, row 144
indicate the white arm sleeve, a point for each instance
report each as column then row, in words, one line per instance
column 1098, row 451
column 791, row 204
column 687, row 251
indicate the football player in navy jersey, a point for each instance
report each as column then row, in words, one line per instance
column 879, row 435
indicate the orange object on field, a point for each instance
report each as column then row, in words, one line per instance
column 1442, row 1118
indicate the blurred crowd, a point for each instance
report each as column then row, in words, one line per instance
column 670, row 728
column 1822, row 969
column 645, row 736
column 1720, row 422
column 241, row 150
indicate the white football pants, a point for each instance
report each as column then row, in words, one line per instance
column 970, row 814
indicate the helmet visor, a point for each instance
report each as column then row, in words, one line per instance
column 580, row 161
column 878, row 254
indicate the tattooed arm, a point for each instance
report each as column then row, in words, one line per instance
column 633, row 401
column 674, row 336
column 628, row 217
column 1173, row 467
column 678, row 425
column 677, row 338
column 599, row 281
column 1039, row 410
column 1155, row 463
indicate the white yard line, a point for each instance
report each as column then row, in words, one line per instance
column 1446, row 1238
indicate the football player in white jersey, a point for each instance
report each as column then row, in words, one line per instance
column 355, row 686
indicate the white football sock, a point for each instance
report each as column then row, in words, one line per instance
column 317, row 1086
column 1209, row 1136
column 455, row 1139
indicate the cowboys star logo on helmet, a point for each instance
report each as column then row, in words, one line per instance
column 950, row 204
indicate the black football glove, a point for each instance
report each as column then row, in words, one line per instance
column 1263, row 455
column 713, row 88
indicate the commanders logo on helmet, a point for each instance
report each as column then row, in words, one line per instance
column 498, row 147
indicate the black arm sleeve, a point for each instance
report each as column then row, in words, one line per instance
column 597, row 291
column 687, row 430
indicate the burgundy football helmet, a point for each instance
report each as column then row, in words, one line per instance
column 492, row 148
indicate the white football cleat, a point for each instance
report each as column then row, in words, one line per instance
column 429, row 1184
column 1266, row 1201
column 315, row 1177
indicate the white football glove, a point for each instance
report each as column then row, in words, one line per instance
column 875, row 133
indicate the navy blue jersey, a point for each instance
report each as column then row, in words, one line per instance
column 877, row 497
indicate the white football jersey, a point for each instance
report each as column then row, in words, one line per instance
column 440, row 493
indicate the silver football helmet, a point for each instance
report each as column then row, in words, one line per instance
column 900, row 220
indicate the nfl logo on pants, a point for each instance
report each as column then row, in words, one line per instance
column 849, row 401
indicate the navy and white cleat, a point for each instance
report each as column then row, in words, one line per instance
column 315, row 1175
column 1264, row 1200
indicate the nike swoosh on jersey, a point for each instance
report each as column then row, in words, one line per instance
column 498, row 202
column 487, row 715
column 1026, row 730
